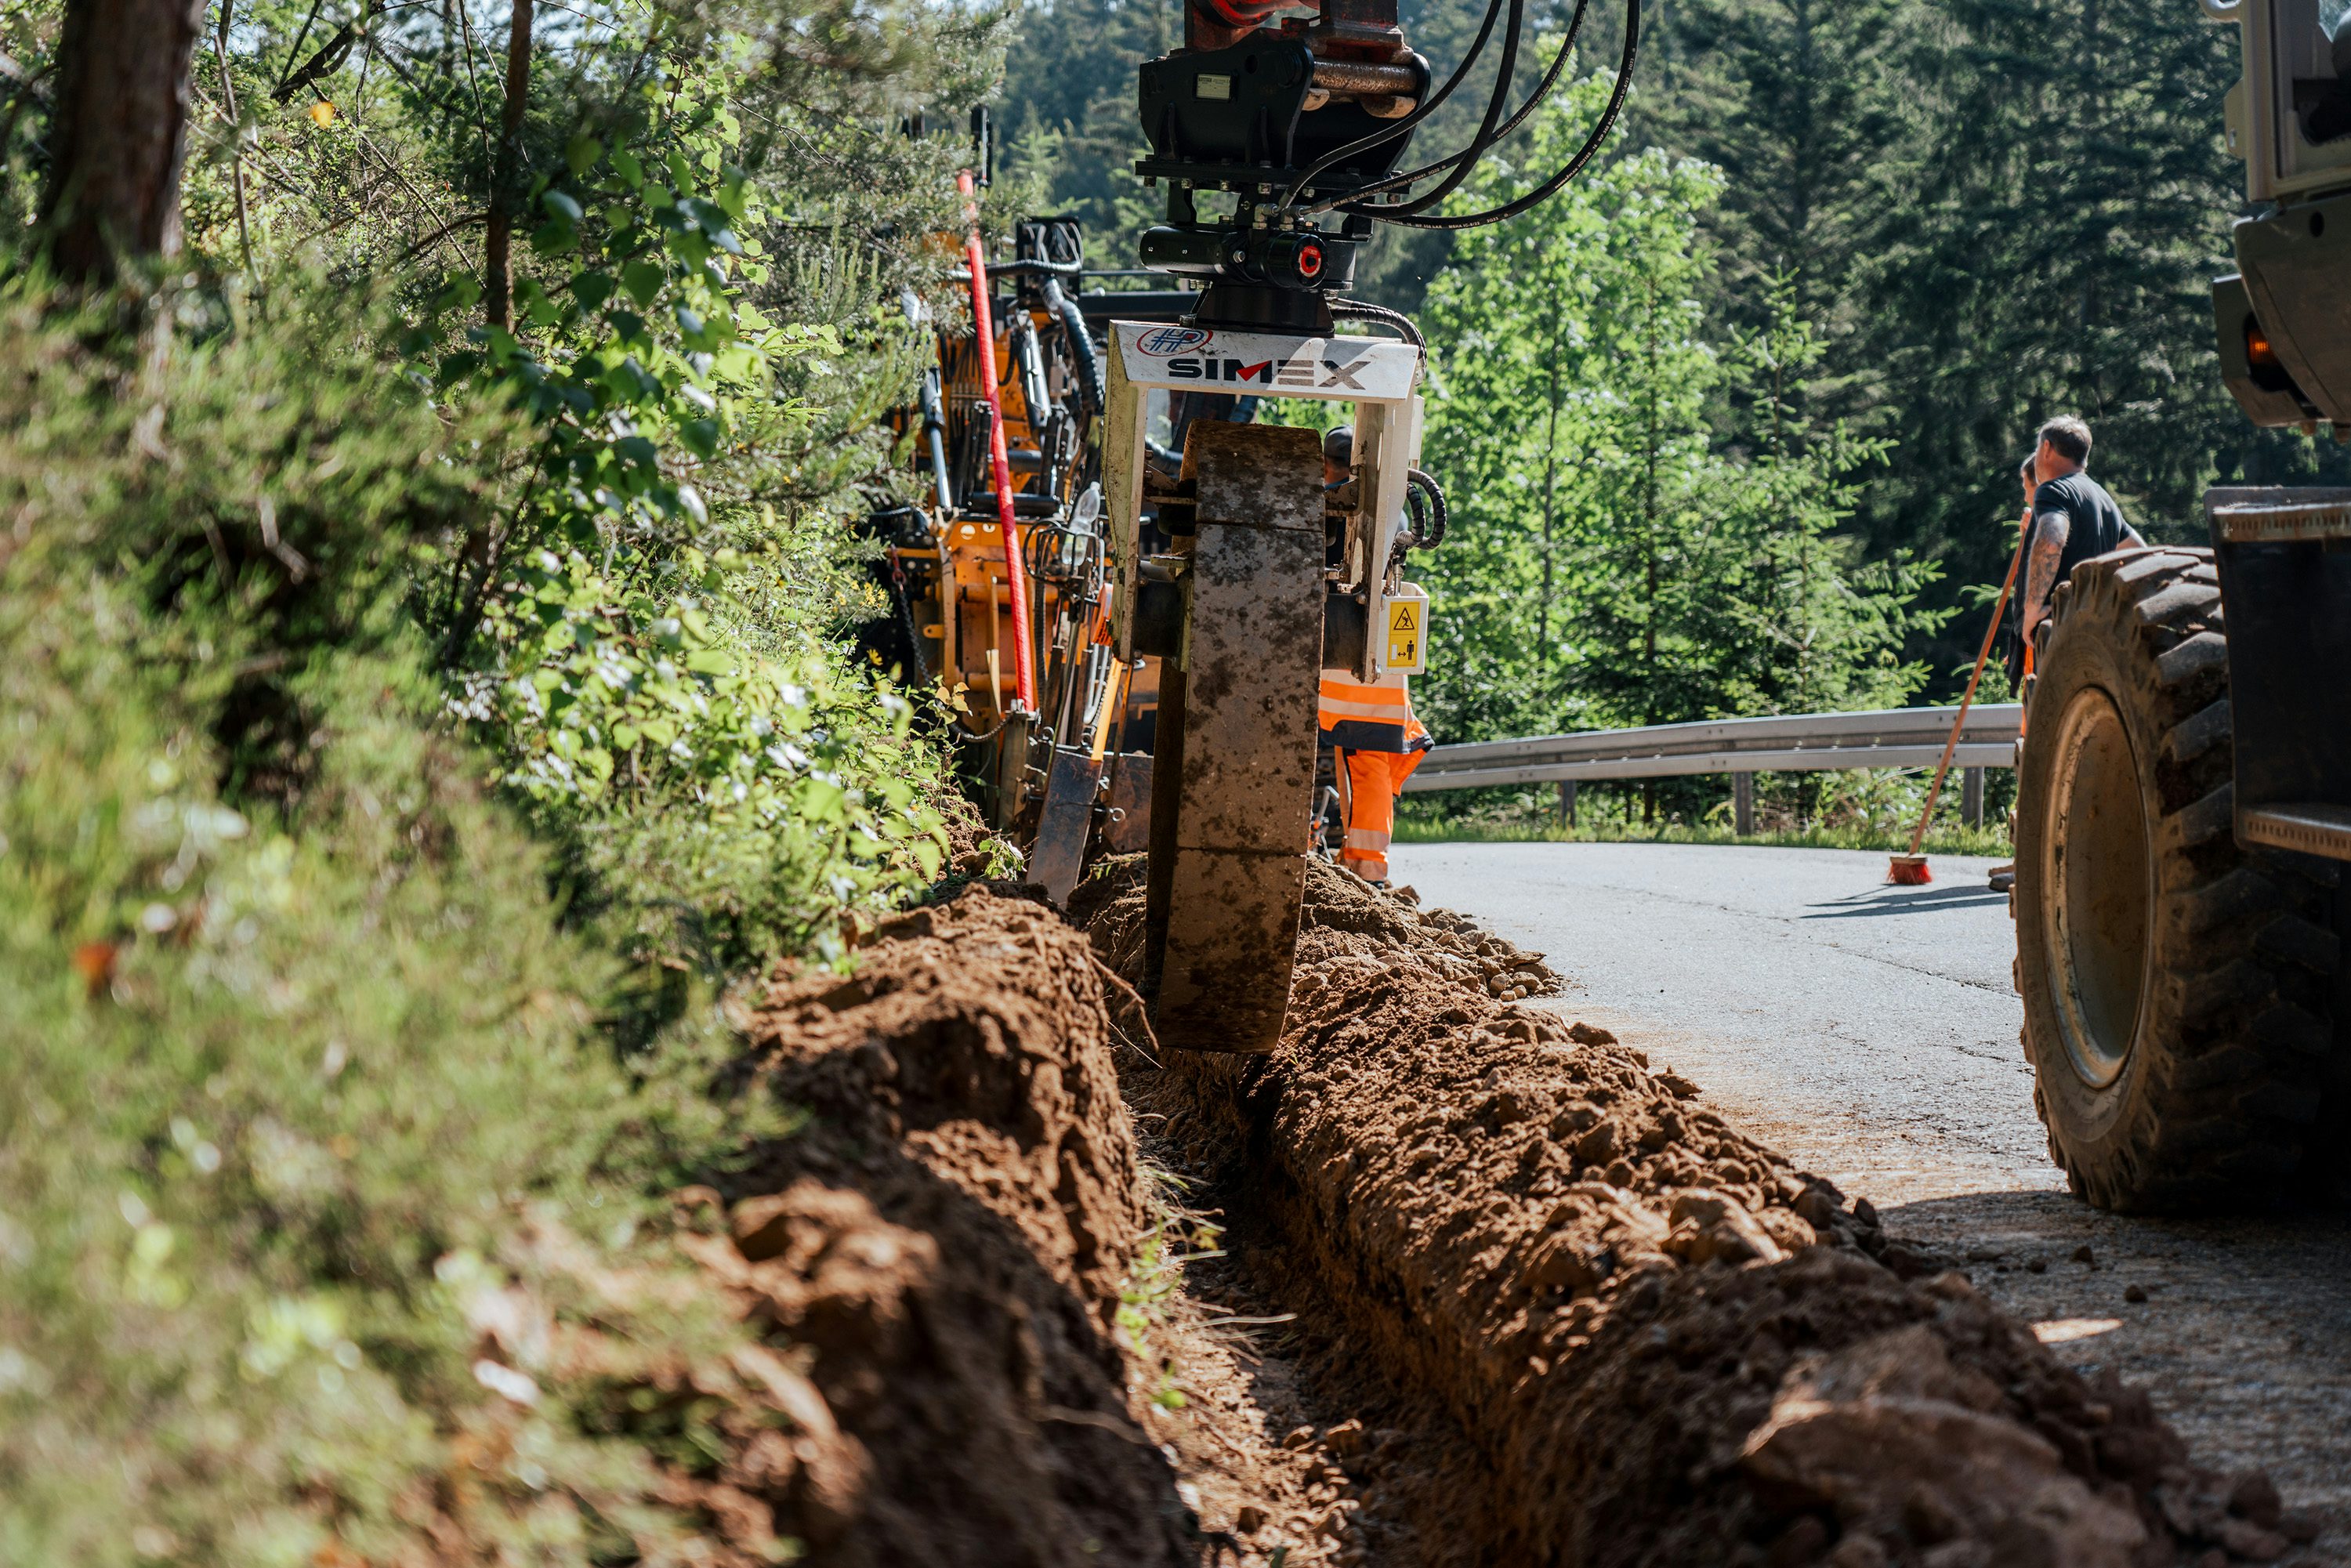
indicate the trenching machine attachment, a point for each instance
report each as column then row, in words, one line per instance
column 1231, row 574
column 1246, row 579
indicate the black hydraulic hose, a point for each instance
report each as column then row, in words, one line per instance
column 1395, row 129
column 934, row 436
column 1364, row 310
column 1029, row 365
column 1534, row 100
column 1487, row 136
column 1425, row 484
column 1093, row 395
column 907, row 613
column 1550, row 187
column 1021, row 269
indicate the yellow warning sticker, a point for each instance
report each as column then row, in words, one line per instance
column 1406, row 624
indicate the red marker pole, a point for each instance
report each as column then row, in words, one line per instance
column 1016, row 571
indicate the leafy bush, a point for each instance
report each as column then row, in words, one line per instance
column 404, row 720
column 301, row 1087
column 726, row 784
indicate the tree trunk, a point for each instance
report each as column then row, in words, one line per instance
column 120, row 134
column 497, row 252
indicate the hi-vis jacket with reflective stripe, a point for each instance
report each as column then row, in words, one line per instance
column 1377, row 718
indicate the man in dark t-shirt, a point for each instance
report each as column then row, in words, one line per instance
column 2074, row 518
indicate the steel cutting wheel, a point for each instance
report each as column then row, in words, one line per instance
column 1233, row 780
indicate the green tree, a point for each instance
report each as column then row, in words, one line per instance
column 1800, row 100
column 1616, row 560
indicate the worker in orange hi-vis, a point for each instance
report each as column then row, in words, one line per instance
column 1375, row 743
column 1374, row 737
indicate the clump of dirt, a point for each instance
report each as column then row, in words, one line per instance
column 938, row 1258
column 1665, row 1344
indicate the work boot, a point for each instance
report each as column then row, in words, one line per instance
column 2002, row 877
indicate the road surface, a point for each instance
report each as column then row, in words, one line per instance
column 1870, row 1032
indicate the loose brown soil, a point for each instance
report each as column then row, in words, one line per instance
column 1472, row 1288
column 941, row 1253
column 1662, row 1343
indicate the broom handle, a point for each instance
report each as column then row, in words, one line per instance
column 1991, row 632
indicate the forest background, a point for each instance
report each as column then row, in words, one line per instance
column 1898, row 232
column 428, row 564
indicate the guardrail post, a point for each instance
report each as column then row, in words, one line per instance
column 1971, row 782
column 1742, row 802
column 1567, row 801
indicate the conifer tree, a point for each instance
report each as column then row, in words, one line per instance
column 1617, row 561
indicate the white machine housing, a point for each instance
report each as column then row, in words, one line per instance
column 1380, row 375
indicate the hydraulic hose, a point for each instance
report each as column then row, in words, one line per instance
column 1486, row 134
column 1093, row 396
column 1016, row 574
column 1534, row 100
column 1021, row 268
column 1364, row 310
column 1029, row 363
column 1426, row 484
column 1550, row 187
column 935, row 437
column 1429, row 105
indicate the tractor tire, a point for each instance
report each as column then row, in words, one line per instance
column 2176, row 984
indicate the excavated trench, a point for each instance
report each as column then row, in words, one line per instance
column 1438, row 1281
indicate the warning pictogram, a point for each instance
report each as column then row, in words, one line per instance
column 1404, row 626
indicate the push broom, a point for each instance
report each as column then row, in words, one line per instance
column 1910, row 870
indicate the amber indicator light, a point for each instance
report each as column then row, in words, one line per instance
column 2257, row 345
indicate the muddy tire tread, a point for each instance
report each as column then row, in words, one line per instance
column 2225, row 1088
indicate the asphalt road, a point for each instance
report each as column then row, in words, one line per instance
column 1870, row 1032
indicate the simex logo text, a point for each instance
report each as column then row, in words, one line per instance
column 1320, row 375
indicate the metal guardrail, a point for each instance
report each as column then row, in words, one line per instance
column 1894, row 737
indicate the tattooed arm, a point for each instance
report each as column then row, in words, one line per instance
column 2050, row 531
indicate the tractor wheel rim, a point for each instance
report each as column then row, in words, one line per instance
column 2100, row 893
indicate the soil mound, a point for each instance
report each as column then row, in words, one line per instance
column 938, row 1256
column 1666, row 1345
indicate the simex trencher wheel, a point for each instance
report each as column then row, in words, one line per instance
column 1233, row 773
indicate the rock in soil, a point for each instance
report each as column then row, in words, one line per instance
column 1665, row 1344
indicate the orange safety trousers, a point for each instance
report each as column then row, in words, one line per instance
column 1369, row 782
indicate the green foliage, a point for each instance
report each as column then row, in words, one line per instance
column 300, row 1086
column 1612, row 560
column 1068, row 113
column 1995, row 213
column 763, row 793
column 409, row 721
column 715, row 765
